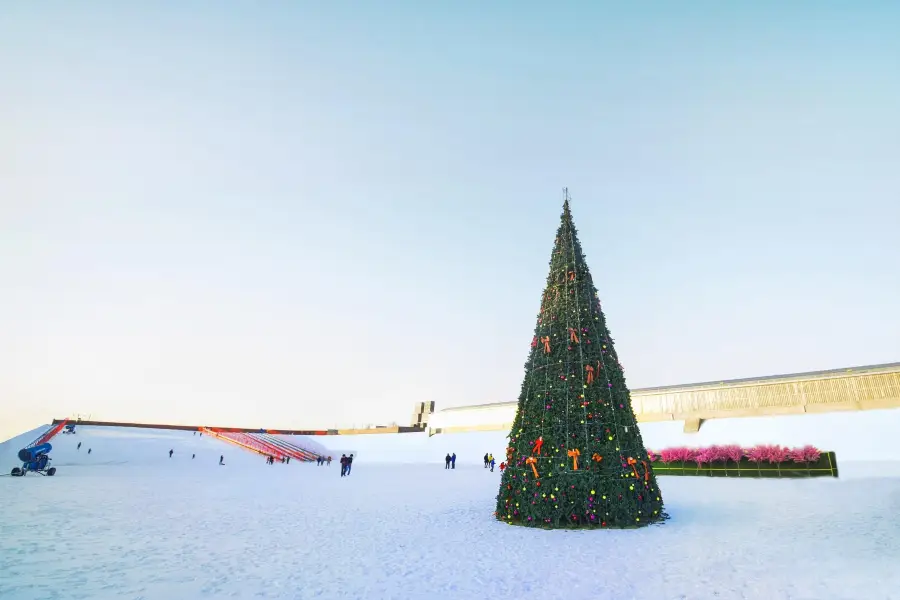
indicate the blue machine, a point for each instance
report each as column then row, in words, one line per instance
column 36, row 460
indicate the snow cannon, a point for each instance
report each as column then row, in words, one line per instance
column 36, row 460
column 32, row 454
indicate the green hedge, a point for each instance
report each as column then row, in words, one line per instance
column 826, row 467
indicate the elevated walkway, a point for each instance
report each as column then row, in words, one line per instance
column 874, row 387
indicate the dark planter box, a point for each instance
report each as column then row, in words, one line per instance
column 825, row 467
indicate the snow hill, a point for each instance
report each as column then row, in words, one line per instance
column 855, row 436
column 117, row 446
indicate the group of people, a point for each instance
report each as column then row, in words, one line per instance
column 489, row 461
column 346, row 464
column 193, row 456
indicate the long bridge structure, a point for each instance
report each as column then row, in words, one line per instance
column 871, row 387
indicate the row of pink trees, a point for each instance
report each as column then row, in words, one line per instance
column 733, row 453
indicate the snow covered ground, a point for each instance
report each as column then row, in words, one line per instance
column 129, row 522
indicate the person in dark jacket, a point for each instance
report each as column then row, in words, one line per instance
column 453, row 461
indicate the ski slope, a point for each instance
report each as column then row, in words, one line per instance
column 129, row 522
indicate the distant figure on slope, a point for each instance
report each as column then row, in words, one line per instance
column 221, row 459
column 79, row 446
column 447, row 460
column 170, row 453
column 486, row 461
column 453, row 461
column 492, row 464
column 349, row 464
column 343, row 464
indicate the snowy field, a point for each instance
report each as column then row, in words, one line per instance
column 129, row 522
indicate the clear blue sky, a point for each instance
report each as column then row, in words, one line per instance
column 310, row 214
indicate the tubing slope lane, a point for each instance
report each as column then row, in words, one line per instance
column 292, row 450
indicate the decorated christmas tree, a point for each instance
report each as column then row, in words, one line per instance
column 575, row 455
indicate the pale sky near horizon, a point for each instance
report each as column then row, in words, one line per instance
column 316, row 214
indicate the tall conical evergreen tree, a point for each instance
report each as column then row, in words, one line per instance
column 575, row 455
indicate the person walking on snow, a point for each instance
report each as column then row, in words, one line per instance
column 447, row 460
column 453, row 461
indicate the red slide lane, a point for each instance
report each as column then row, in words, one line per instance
column 49, row 434
column 292, row 450
column 244, row 441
